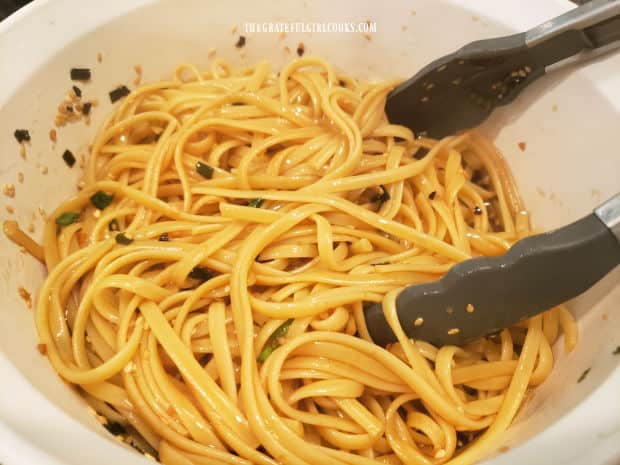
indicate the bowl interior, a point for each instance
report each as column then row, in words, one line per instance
column 568, row 122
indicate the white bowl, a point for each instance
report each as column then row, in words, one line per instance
column 571, row 163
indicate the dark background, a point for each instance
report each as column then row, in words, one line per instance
column 9, row 6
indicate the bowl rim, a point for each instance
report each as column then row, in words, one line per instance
column 16, row 449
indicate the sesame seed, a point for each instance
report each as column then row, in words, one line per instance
column 20, row 177
column 418, row 321
column 9, row 190
column 470, row 308
column 129, row 368
column 454, row 331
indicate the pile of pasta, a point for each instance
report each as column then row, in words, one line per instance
column 207, row 283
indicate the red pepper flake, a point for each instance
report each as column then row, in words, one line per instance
column 53, row 135
column 42, row 348
column 77, row 91
column 86, row 108
column 522, row 146
column 99, row 57
column 241, row 42
column 25, row 295
column 477, row 210
column 432, row 195
column 301, row 49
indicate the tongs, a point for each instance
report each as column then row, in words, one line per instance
column 460, row 90
column 481, row 296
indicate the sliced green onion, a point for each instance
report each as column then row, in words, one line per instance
column 114, row 226
column 200, row 273
column 204, row 170
column 69, row 158
column 67, row 218
column 101, row 200
column 256, row 203
column 274, row 340
column 383, row 197
column 122, row 239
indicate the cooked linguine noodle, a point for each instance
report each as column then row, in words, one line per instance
column 206, row 285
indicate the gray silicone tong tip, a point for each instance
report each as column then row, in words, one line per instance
column 459, row 91
column 481, row 296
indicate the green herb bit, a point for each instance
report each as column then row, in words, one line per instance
column 274, row 340
column 256, row 203
column 200, row 273
column 67, row 218
column 122, row 239
column 204, row 170
column 114, row 226
column 101, row 200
